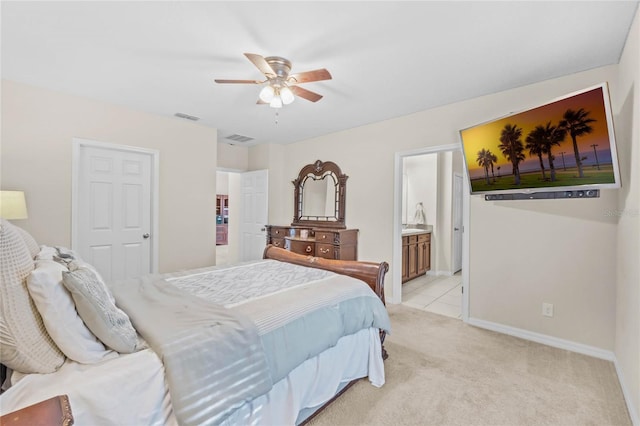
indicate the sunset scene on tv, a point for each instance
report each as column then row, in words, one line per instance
column 563, row 143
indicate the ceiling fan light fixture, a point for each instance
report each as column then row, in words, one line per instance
column 267, row 94
column 286, row 95
column 276, row 102
column 277, row 70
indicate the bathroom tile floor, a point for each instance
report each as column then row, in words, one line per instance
column 438, row 294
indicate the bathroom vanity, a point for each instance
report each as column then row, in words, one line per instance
column 416, row 253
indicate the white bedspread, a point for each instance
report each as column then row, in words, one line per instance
column 213, row 357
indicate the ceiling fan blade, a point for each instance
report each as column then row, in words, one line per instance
column 238, row 81
column 261, row 102
column 306, row 94
column 261, row 64
column 309, row 76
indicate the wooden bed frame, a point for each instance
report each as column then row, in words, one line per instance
column 370, row 272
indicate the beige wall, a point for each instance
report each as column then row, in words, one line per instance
column 627, row 110
column 444, row 242
column 233, row 157
column 421, row 179
column 37, row 129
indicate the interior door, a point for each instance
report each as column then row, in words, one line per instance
column 254, row 187
column 457, row 223
column 113, row 210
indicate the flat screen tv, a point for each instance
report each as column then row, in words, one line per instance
column 566, row 144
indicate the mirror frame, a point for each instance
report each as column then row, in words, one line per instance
column 319, row 169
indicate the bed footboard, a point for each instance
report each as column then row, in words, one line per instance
column 370, row 272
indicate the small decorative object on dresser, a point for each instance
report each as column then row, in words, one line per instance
column 318, row 227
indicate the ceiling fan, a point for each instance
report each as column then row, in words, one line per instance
column 281, row 86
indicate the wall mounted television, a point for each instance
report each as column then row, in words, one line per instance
column 565, row 145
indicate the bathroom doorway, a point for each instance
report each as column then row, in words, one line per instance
column 430, row 191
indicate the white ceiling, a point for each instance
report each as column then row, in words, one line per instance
column 387, row 59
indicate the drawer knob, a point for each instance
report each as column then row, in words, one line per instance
column 276, row 243
column 308, row 249
column 324, row 250
column 324, row 237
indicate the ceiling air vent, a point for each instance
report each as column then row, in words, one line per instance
column 186, row 116
column 239, row 138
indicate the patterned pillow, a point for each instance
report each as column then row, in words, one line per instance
column 55, row 304
column 32, row 245
column 25, row 345
column 95, row 306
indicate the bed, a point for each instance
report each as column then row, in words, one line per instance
column 264, row 342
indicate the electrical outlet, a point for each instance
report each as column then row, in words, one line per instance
column 547, row 309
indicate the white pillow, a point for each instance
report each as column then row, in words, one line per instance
column 55, row 304
column 94, row 303
column 46, row 253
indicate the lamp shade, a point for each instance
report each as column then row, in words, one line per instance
column 13, row 205
column 266, row 94
column 276, row 102
column 286, row 95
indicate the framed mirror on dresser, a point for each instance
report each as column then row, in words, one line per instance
column 318, row 227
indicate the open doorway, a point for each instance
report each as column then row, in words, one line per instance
column 227, row 197
column 246, row 199
column 429, row 221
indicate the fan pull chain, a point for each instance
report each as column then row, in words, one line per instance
column 276, row 118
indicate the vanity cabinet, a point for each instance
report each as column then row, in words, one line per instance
column 341, row 244
column 416, row 255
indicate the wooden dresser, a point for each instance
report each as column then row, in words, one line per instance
column 341, row 244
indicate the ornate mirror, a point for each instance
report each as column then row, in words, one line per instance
column 319, row 196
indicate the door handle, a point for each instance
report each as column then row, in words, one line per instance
column 145, row 236
column 456, row 229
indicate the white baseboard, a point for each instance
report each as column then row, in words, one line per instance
column 631, row 408
column 567, row 345
column 544, row 339
column 439, row 273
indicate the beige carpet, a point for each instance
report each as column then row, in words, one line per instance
column 441, row 371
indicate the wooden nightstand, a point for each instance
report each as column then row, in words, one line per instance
column 55, row 411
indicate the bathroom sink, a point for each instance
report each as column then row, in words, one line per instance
column 412, row 231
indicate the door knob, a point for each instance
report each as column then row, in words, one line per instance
column 145, row 236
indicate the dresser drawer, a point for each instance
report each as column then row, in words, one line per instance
column 327, row 251
column 301, row 247
column 278, row 242
column 279, row 232
column 327, row 237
